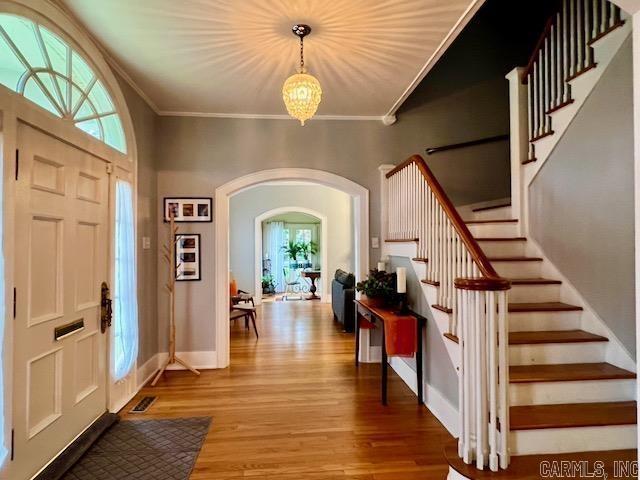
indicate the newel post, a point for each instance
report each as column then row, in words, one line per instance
column 484, row 371
column 519, row 138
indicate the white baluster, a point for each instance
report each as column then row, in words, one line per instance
column 493, row 380
column 503, row 380
column 481, row 381
column 572, row 39
column 580, row 34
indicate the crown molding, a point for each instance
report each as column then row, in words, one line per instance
column 433, row 59
column 260, row 116
column 388, row 119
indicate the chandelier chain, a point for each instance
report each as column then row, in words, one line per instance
column 301, row 54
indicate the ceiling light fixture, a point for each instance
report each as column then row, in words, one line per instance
column 301, row 92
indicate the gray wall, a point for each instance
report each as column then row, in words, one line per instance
column 439, row 372
column 582, row 200
column 144, row 123
column 247, row 205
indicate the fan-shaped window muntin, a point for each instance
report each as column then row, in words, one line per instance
column 42, row 67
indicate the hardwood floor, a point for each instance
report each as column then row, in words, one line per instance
column 293, row 406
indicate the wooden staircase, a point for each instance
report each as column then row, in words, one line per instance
column 563, row 394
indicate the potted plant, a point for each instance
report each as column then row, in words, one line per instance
column 268, row 284
column 292, row 250
column 306, row 250
column 380, row 288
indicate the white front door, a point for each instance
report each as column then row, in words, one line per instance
column 62, row 243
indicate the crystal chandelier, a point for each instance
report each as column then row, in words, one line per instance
column 301, row 92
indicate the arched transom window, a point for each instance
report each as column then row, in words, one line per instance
column 38, row 64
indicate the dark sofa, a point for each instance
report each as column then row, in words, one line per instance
column 343, row 293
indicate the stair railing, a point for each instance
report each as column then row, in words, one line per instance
column 476, row 296
column 563, row 52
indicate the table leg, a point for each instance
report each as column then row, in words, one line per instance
column 419, row 364
column 313, row 289
column 385, row 367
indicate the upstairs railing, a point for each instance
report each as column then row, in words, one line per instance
column 563, row 52
column 472, row 292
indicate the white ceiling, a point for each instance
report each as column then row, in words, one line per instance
column 232, row 56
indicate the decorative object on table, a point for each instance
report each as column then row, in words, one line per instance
column 301, row 92
column 380, row 288
column 382, row 267
column 169, row 253
column 306, row 250
column 291, row 251
column 187, row 257
column 188, row 209
column 401, row 288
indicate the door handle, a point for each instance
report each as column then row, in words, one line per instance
column 106, row 310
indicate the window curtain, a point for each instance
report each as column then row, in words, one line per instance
column 3, row 443
column 274, row 239
column 125, row 347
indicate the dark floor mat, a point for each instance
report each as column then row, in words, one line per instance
column 144, row 450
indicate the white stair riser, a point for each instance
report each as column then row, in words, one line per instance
column 518, row 269
column 534, row 293
column 543, row 321
column 566, row 440
column 497, row 249
column 503, row 213
column 484, row 230
column 547, row 393
column 554, row 353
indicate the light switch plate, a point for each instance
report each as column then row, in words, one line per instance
column 146, row 243
column 375, row 242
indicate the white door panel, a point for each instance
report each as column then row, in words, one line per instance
column 61, row 258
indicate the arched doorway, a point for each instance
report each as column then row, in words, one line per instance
column 360, row 198
column 323, row 246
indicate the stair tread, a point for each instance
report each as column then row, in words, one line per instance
column 530, row 417
column 567, row 372
column 559, row 336
column 401, row 240
column 534, row 281
column 515, row 258
column 543, row 307
column 527, row 467
column 542, row 337
column 496, row 220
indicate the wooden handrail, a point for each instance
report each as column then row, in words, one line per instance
column 492, row 279
column 472, row 143
column 539, row 45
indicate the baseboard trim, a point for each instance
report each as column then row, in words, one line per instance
column 441, row 407
column 147, row 371
column 205, row 360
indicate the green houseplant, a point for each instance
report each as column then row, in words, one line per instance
column 268, row 284
column 380, row 287
column 306, row 250
column 292, row 250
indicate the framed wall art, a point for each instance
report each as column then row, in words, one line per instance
column 188, row 257
column 188, row 209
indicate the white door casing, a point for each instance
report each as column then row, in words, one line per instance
column 360, row 198
column 62, row 245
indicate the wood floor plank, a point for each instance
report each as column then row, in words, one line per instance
column 292, row 406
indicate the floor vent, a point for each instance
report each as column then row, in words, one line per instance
column 143, row 405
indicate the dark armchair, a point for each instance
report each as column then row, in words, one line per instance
column 343, row 293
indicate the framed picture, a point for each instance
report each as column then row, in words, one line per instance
column 189, row 209
column 188, row 257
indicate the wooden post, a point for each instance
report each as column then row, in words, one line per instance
column 169, row 254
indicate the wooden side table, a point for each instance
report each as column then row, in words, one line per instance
column 364, row 309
